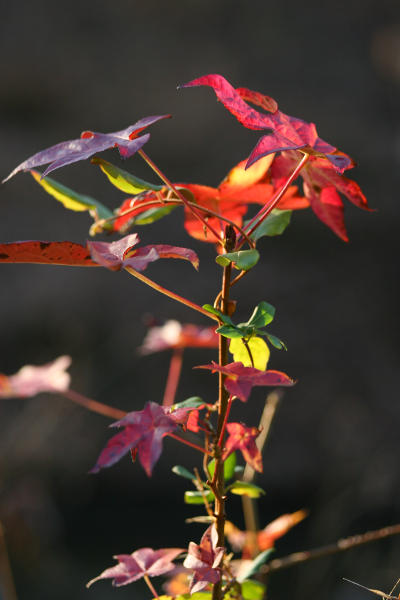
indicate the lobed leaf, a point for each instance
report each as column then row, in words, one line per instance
column 31, row 380
column 50, row 253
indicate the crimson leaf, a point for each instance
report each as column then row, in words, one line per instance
column 204, row 560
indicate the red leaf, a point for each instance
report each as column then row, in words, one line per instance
column 143, row 430
column 204, row 560
column 51, row 253
column 145, row 561
column 244, row 439
column 173, row 335
column 258, row 99
column 286, row 132
column 31, row 380
column 240, row 380
column 321, row 187
column 89, row 143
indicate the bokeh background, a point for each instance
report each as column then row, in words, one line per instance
column 334, row 446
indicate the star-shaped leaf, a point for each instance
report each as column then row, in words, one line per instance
column 204, row 560
column 143, row 431
column 145, row 561
column 31, row 380
column 244, row 439
column 285, row 132
column 87, row 145
column 240, row 380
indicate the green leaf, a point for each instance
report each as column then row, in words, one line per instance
column 262, row 315
column 230, row 331
column 182, row 472
column 153, row 214
column 276, row 341
column 192, row 402
column 123, row 180
column 70, row 199
column 253, row 590
column 243, row 260
column 255, row 565
column 224, row 318
column 192, row 497
column 274, row 224
column 258, row 348
column 229, row 466
column 244, row 488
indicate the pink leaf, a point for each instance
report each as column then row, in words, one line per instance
column 285, row 132
column 240, row 380
column 143, row 430
column 173, row 335
column 89, row 143
column 244, row 439
column 31, row 380
column 204, row 560
column 145, row 561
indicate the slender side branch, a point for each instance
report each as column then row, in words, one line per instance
column 266, row 210
column 94, row 405
column 150, row 586
column 339, row 546
column 174, row 372
column 195, row 446
column 163, row 290
column 181, row 197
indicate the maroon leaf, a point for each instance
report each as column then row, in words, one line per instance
column 240, row 380
column 145, row 561
column 89, row 143
column 321, row 187
column 286, row 132
column 143, row 430
column 120, row 254
column 244, row 439
column 31, row 380
column 51, row 253
column 204, row 560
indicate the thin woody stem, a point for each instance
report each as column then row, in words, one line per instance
column 195, row 446
column 150, row 586
column 233, row 282
column 246, row 344
column 163, row 290
column 178, row 202
column 94, row 405
column 228, row 410
column 262, row 214
column 174, row 372
column 339, row 546
column 181, row 197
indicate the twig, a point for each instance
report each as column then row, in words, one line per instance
column 174, row 372
column 94, row 405
column 339, row 546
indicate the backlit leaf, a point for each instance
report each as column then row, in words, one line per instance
column 259, row 352
column 194, row 497
column 50, row 253
column 244, row 488
column 243, row 438
column 275, row 341
column 70, row 199
column 31, row 379
column 253, row 590
column 262, row 315
column 121, row 179
column 204, row 560
column 182, row 472
column 242, row 260
column 229, row 466
column 254, row 566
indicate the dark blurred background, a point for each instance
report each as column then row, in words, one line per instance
column 334, row 445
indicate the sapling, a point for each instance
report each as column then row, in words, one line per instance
column 288, row 148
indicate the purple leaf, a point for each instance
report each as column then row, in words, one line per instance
column 240, row 380
column 121, row 254
column 204, row 560
column 145, row 561
column 143, row 430
column 89, row 143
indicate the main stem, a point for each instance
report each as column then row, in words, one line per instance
column 223, row 403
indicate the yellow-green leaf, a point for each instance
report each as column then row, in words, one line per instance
column 258, row 348
column 124, row 181
column 243, row 488
column 70, row 199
